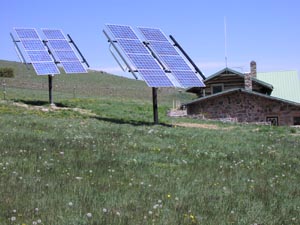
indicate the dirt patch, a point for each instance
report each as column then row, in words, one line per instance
column 54, row 108
column 205, row 126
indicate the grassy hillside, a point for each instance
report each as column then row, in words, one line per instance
column 94, row 84
column 107, row 164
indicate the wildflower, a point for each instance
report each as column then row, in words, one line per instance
column 104, row 210
column 89, row 215
column 14, row 210
column 13, row 218
column 36, row 209
column 169, row 195
column 34, row 223
column 39, row 221
column 70, row 204
column 150, row 212
column 118, row 213
column 155, row 206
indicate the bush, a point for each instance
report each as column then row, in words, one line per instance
column 6, row 72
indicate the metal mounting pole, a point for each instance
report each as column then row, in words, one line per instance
column 187, row 57
column 50, row 79
column 155, row 108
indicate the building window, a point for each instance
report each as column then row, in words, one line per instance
column 297, row 120
column 216, row 88
column 273, row 120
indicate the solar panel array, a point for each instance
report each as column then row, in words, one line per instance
column 140, row 56
column 39, row 55
column 63, row 51
column 40, row 58
column 171, row 59
column 177, row 71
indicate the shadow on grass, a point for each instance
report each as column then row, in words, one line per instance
column 111, row 120
column 41, row 103
column 130, row 122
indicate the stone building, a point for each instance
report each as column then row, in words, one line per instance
column 242, row 98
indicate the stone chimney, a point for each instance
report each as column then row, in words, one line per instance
column 249, row 76
column 253, row 69
column 248, row 81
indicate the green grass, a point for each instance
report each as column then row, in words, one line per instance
column 115, row 167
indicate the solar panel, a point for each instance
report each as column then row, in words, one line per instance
column 53, row 34
column 188, row 78
column 169, row 56
column 63, row 51
column 59, row 45
column 140, row 56
column 27, row 33
column 73, row 67
column 174, row 62
column 30, row 44
column 153, row 34
column 144, row 62
column 45, row 68
column 132, row 46
column 155, row 78
column 163, row 48
column 38, row 55
column 122, row 31
column 66, row 56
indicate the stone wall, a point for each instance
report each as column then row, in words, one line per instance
column 245, row 107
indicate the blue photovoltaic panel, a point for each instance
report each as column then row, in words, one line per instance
column 132, row 46
column 30, row 44
column 63, row 51
column 45, row 68
column 53, row 34
column 59, row 45
column 155, row 78
column 73, row 67
column 188, row 78
column 66, row 56
column 153, row 34
column 161, row 46
column 174, row 62
column 122, row 32
column 38, row 54
column 27, row 33
column 143, row 62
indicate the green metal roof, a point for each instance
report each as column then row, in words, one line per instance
column 286, row 84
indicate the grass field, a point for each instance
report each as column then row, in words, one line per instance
column 112, row 166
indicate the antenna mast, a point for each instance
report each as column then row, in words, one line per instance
column 225, row 40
